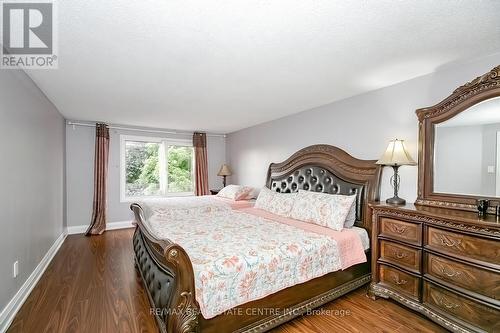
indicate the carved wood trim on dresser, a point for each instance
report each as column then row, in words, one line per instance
column 442, row 263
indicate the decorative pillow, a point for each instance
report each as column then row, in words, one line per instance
column 234, row 192
column 264, row 199
column 276, row 203
column 253, row 194
column 351, row 217
column 327, row 210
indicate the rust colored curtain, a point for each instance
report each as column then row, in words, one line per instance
column 201, row 163
column 98, row 223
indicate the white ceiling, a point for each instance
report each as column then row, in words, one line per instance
column 224, row 65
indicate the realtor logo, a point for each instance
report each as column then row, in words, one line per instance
column 28, row 35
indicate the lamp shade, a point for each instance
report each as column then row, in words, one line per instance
column 224, row 170
column 396, row 154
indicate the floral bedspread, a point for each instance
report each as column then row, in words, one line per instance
column 238, row 257
column 168, row 208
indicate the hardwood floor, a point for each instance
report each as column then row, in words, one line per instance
column 91, row 286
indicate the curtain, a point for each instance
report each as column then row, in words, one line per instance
column 98, row 223
column 201, row 163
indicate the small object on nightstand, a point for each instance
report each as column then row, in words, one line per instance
column 214, row 192
column 482, row 207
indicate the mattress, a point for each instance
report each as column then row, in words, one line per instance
column 363, row 236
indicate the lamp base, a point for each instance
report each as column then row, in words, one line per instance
column 396, row 201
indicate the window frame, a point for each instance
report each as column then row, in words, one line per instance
column 165, row 143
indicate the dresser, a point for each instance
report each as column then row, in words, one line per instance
column 442, row 263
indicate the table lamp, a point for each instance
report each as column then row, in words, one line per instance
column 396, row 155
column 224, row 172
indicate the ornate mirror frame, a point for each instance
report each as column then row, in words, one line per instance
column 478, row 90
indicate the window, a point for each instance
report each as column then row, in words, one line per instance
column 156, row 167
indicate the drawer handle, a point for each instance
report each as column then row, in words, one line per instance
column 398, row 229
column 399, row 255
column 398, row 281
column 448, row 274
column 447, row 304
column 449, row 243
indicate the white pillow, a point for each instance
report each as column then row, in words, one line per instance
column 265, row 199
column 276, row 203
column 234, row 192
column 351, row 217
column 327, row 210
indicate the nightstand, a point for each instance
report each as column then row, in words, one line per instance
column 214, row 192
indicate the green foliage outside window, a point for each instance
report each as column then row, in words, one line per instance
column 180, row 177
column 143, row 169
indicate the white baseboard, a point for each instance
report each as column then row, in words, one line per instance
column 120, row 225
column 80, row 229
column 77, row 230
column 10, row 310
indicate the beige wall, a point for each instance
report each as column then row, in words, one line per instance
column 32, row 173
column 362, row 125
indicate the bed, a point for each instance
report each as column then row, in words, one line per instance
column 167, row 270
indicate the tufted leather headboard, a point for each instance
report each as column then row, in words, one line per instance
column 328, row 169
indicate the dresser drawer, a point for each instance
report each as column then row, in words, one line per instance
column 401, row 230
column 465, row 246
column 400, row 255
column 475, row 279
column 400, row 281
column 475, row 313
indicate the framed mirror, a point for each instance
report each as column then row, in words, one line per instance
column 459, row 146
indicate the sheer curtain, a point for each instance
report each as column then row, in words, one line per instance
column 98, row 223
column 201, row 163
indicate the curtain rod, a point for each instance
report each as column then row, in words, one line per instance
column 70, row 123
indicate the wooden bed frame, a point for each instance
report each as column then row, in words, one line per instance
column 167, row 272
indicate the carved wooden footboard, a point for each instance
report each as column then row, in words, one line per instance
column 168, row 277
